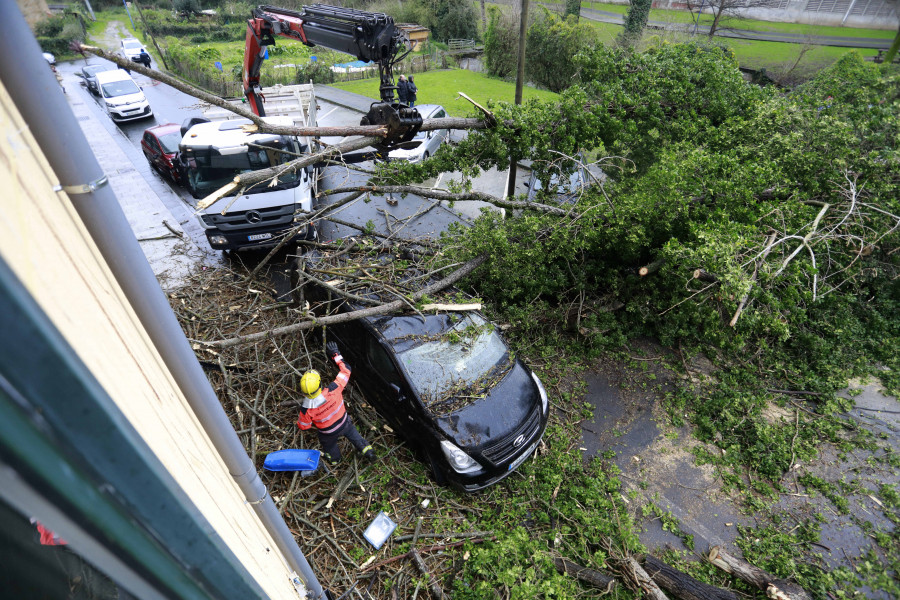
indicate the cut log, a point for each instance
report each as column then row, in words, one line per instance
column 651, row 268
column 681, row 585
column 585, row 574
column 642, row 580
column 704, row 276
column 777, row 589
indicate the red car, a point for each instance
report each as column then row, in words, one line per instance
column 160, row 146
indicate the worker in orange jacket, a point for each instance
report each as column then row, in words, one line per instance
column 324, row 409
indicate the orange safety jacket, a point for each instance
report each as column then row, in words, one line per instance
column 326, row 411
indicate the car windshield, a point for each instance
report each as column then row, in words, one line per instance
column 457, row 363
column 120, row 88
column 170, row 141
column 131, row 44
column 93, row 70
column 209, row 171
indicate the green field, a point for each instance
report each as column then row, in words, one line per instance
column 773, row 56
column 682, row 16
column 442, row 87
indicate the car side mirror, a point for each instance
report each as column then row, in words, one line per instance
column 79, row 74
column 397, row 389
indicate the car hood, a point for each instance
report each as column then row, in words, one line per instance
column 127, row 99
column 407, row 153
column 270, row 199
column 496, row 415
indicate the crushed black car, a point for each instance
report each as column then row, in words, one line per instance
column 446, row 382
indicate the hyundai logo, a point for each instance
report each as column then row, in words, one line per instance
column 253, row 216
column 518, row 441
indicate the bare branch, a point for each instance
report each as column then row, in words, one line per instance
column 450, row 197
column 343, row 318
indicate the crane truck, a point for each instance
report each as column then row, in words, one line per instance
column 216, row 147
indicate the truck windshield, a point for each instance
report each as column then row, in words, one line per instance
column 461, row 361
column 208, row 170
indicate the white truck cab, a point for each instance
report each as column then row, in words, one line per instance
column 212, row 153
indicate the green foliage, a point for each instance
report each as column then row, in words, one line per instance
column 635, row 21
column 186, row 6
column 573, row 7
column 552, row 42
column 55, row 34
column 451, row 19
column 553, row 504
column 501, row 43
column 721, row 166
column 196, row 28
column 644, row 101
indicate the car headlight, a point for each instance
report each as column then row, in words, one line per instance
column 217, row 240
column 545, row 400
column 459, row 460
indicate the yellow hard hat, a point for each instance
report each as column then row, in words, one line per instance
column 310, row 383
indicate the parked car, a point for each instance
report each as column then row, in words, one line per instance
column 131, row 48
column 160, row 146
column 49, row 58
column 562, row 186
column 426, row 143
column 446, row 382
column 122, row 97
column 89, row 74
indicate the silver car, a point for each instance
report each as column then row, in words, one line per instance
column 426, row 143
column 89, row 74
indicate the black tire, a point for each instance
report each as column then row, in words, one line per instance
column 437, row 471
column 426, row 155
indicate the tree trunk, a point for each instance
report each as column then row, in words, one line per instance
column 483, row 19
column 892, row 51
column 642, row 580
column 590, row 576
column 777, row 589
column 717, row 12
column 681, row 585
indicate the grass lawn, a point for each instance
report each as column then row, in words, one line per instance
column 441, row 87
column 773, row 56
column 96, row 29
column 683, row 16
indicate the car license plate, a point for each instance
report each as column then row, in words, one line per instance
column 515, row 464
column 259, row 236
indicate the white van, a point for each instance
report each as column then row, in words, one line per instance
column 122, row 97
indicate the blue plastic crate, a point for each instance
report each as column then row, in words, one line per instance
column 305, row 461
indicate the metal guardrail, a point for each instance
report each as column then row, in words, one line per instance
column 456, row 45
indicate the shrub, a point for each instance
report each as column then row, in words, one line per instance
column 552, row 42
column 501, row 43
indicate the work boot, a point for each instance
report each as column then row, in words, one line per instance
column 369, row 453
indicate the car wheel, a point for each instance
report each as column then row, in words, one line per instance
column 437, row 471
column 426, row 155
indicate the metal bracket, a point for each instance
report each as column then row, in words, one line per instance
column 83, row 188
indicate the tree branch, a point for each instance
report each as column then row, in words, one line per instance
column 343, row 318
column 450, row 197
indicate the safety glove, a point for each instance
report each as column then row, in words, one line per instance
column 331, row 348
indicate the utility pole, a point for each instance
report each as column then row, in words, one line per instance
column 162, row 56
column 520, row 83
column 125, row 4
